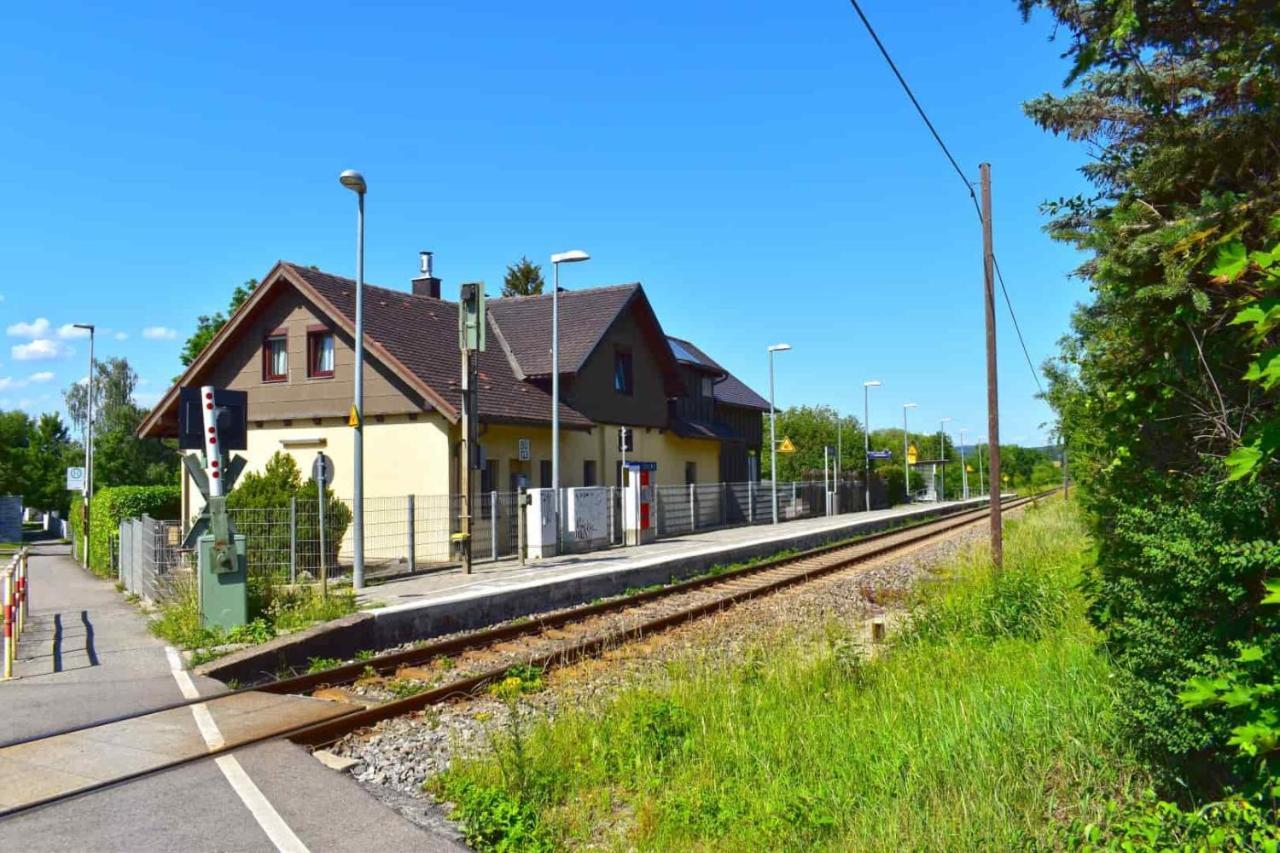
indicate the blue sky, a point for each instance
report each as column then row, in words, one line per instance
column 754, row 164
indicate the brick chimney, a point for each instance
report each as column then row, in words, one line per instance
column 426, row 284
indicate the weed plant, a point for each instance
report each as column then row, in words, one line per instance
column 275, row 610
column 988, row 723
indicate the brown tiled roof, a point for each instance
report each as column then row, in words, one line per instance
column 692, row 355
column 422, row 333
column 729, row 390
column 733, row 391
column 585, row 316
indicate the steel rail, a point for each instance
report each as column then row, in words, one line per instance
column 391, row 661
column 328, row 731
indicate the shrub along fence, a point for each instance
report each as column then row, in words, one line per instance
column 107, row 509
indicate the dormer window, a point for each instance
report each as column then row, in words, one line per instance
column 320, row 354
column 275, row 357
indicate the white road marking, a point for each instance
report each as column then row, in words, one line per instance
column 250, row 794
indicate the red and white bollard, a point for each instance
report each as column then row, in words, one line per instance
column 22, row 593
column 10, row 641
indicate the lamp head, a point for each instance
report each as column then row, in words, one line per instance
column 944, row 420
column 871, row 383
column 909, row 405
column 354, row 181
column 88, row 326
column 779, row 347
column 572, row 256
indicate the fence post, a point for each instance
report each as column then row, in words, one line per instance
column 413, row 547
column 609, row 494
column 293, row 539
column 751, row 502
column 493, row 525
column 693, row 508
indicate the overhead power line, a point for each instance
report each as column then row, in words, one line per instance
column 968, row 185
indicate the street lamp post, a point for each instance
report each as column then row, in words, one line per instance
column 773, row 433
column 964, row 473
column 572, row 256
column 906, row 465
column 355, row 182
column 88, row 445
column 866, row 434
column 942, row 454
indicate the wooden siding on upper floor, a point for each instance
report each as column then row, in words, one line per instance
column 301, row 396
column 592, row 392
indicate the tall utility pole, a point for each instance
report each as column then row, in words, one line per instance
column 88, row 447
column 866, row 436
column 773, row 430
column 354, row 181
column 471, row 340
column 906, row 464
column 964, row 469
column 993, row 380
column 573, row 256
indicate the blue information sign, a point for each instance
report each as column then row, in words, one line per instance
column 880, row 454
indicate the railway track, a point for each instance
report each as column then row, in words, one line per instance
column 375, row 689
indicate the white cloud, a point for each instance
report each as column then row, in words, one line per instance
column 124, row 336
column 7, row 382
column 68, row 331
column 41, row 349
column 42, row 376
column 159, row 333
column 37, row 328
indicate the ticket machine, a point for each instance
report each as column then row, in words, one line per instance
column 639, row 521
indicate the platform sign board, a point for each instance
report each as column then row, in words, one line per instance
column 75, row 479
column 322, row 469
column 880, row 454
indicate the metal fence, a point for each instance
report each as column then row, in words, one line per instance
column 412, row 533
column 149, row 559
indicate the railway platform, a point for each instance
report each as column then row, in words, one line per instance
column 438, row 603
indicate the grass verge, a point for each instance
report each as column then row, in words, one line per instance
column 273, row 611
column 988, row 723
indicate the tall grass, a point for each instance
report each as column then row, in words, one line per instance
column 987, row 724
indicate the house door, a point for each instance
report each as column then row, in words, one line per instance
column 519, row 477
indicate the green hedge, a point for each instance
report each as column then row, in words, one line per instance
column 109, row 507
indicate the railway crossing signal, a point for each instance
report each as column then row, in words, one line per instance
column 215, row 421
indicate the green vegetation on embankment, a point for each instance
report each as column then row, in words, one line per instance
column 990, row 721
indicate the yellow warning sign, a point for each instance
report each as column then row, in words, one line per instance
column 353, row 419
column 969, row 468
column 912, row 454
column 785, row 446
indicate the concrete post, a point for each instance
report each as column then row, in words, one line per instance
column 493, row 525
column 751, row 502
column 413, row 547
column 693, row 507
column 293, row 538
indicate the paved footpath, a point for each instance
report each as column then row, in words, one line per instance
column 87, row 656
